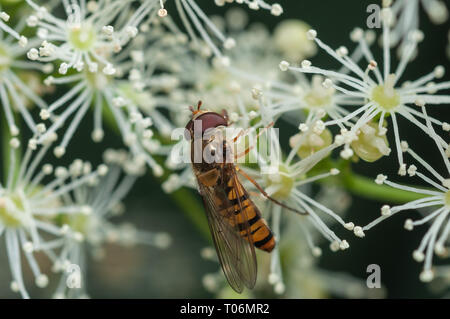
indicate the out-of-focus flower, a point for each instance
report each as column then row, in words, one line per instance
column 221, row 82
column 379, row 97
column 28, row 203
column 4, row 17
column 406, row 16
column 196, row 21
column 436, row 199
column 189, row 10
column 89, row 229
column 15, row 90
column 275, row 8
column 291, row 40
column 442, row 282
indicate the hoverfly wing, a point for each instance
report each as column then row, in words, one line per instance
column 236, row 254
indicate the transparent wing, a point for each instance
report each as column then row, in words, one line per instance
column 231, row 234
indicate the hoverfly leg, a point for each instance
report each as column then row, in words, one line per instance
column 252, row 193
column 263, row 192
column 253, row 146
column 209, row 178
column 241, row 133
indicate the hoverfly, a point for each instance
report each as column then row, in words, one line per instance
column 235, row 222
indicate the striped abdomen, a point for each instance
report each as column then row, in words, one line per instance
column 242, row 206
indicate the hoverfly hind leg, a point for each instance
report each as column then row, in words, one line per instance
column 264, row 193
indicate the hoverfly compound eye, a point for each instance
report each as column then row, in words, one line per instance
column 204, row 122
column 211, row 120
column 189, row 130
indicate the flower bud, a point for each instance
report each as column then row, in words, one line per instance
column 311, row 142
column 370, row 146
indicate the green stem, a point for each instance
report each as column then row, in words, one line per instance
column 193, row 209
column 6, row 149
column 5, row 144
column 367, row 188
column 363, row 186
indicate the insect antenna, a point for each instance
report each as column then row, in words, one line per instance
column 199, row 105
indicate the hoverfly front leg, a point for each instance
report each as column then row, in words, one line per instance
column 251, row 146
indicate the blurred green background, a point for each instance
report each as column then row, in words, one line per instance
column 144, row 272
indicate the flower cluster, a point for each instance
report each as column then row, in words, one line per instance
column 55, row 211
column 135, row 67
column 374, row 94
column 434, row 203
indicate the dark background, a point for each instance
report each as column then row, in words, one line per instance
column 176, row 273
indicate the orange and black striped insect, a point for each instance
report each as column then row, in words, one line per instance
column 235, row 222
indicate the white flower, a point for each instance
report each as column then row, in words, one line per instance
column 88, row 229
column 27, row 206
column 377, row 95
column 80, row 40
column 436, row 199
column 230, row 86
column 195, row 20
column 99, row 91
column 407, row 12
column 16, row 92
column 4, row 17
column 286, row 180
